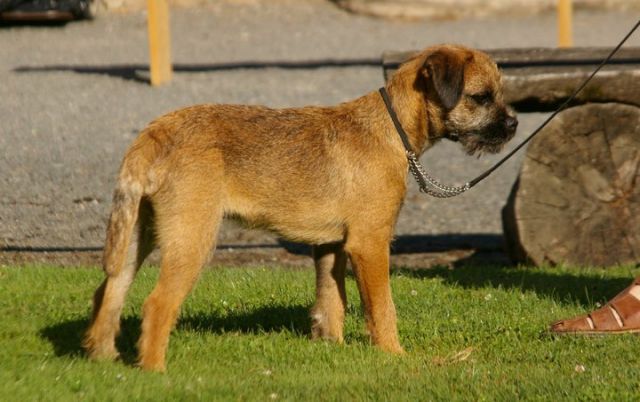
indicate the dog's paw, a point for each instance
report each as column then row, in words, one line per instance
column 100, row 351
column 321, row 328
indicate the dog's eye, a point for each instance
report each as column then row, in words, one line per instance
column 483, row 98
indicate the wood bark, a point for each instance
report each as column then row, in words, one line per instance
column 577, row 198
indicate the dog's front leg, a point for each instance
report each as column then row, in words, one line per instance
column 369, row 253
column 327, row 315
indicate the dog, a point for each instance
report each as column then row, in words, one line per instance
column 333, row 177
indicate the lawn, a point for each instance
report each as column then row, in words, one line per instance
column 471, row 333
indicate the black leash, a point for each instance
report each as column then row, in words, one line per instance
column 441, row 191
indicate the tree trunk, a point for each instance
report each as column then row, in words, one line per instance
column 577, row 199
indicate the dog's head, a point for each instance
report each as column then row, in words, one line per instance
column 466, row 86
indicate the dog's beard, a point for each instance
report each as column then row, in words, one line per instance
column 490, row 140
column 478, row 144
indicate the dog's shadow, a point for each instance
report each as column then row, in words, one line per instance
column 66, row 337
column 274, row 318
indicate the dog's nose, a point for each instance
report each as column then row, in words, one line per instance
column 511, row 123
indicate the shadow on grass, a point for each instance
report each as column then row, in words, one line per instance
column 66, row 337
column 583, row 288
column 279, row 318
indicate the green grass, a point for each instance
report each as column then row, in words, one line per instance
column 243, row 335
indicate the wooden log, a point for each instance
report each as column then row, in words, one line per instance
column 577, row 198
column 540, row 79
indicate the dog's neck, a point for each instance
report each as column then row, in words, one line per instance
column 421, row 120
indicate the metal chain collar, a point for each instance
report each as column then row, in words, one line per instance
column 428, row 184
column 425, row 180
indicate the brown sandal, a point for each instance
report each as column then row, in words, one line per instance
column 621, row 315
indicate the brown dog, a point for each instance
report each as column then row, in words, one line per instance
column 333, row 177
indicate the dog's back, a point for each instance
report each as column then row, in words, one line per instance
column 294, row 171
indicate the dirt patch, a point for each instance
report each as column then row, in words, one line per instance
column 260, row 257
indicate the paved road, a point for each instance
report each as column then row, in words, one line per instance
column 73, row 97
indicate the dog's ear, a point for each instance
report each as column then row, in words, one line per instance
column 445, row 70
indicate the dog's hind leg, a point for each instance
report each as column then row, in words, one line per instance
column 327, row 314
column 187, row 220
column 109, row 298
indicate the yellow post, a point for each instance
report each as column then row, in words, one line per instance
column 159, row 41
column 565, row 37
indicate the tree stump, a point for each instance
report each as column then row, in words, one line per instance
column 577, row 198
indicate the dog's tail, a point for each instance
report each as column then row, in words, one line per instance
column 133, row 183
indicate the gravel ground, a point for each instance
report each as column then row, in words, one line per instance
column 469, row 8
column 73, row 97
